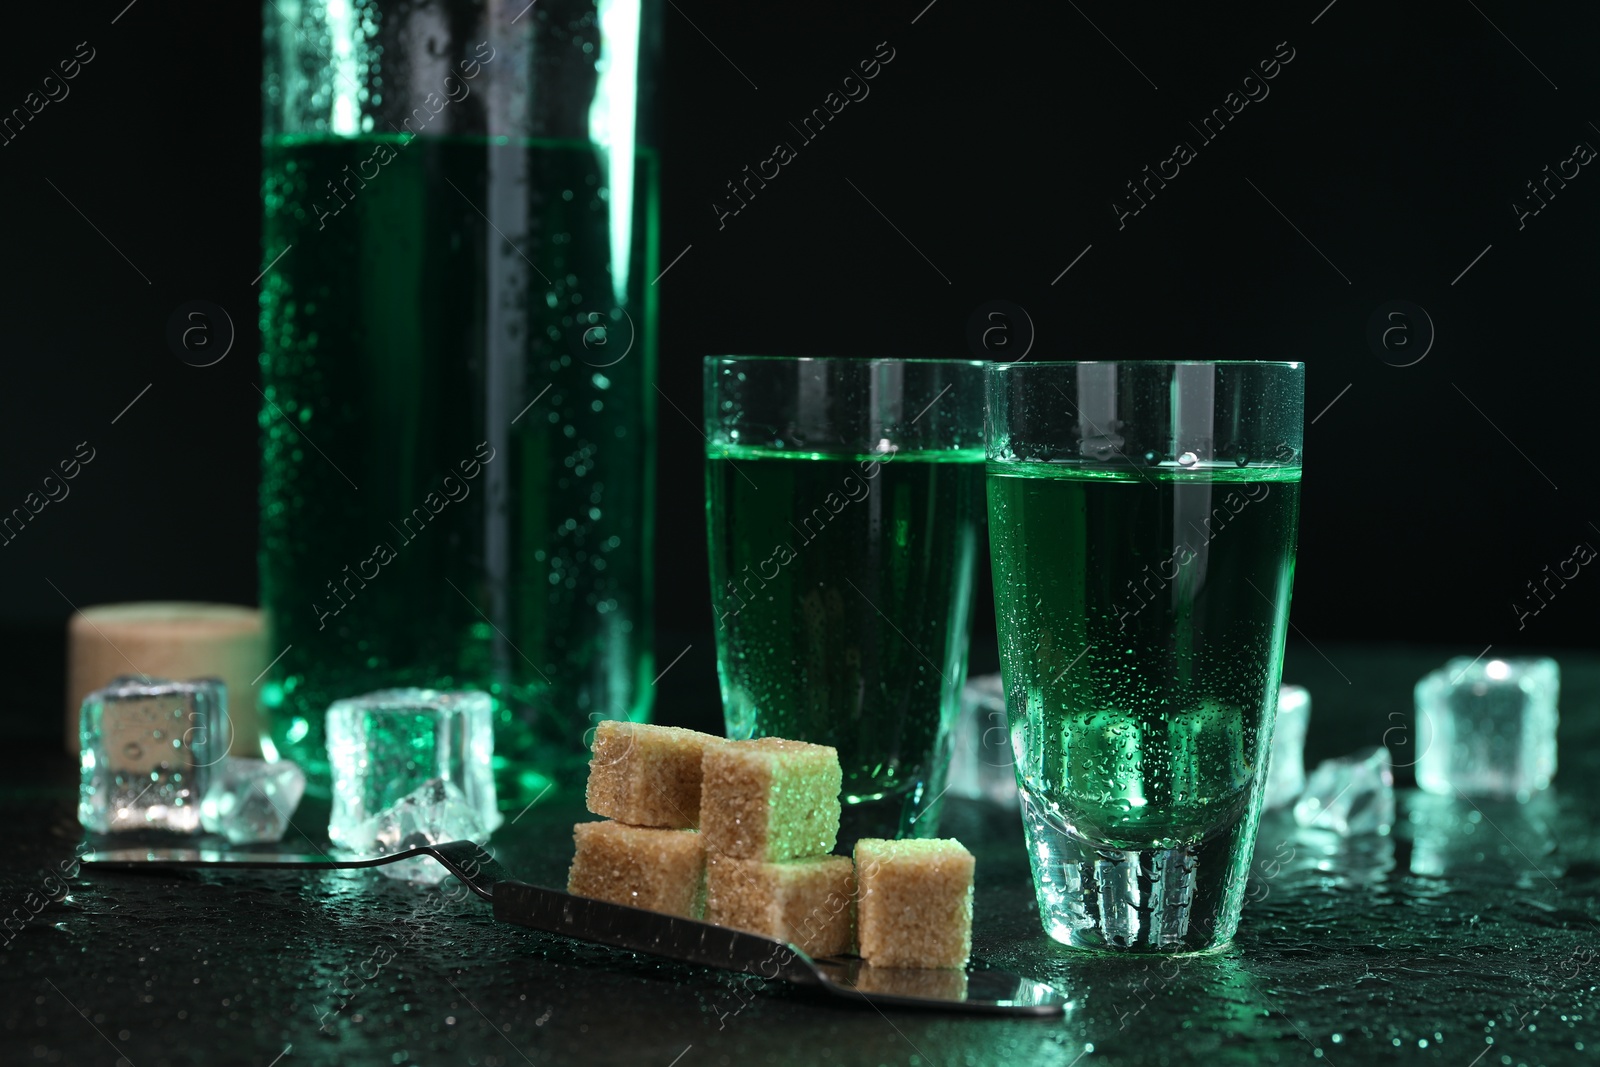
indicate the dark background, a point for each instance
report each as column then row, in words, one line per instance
column 1384, row 162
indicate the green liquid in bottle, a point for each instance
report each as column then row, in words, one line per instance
column 456, row 487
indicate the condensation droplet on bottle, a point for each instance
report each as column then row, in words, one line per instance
column 1188, row 459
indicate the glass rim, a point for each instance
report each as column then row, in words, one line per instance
column 1290, row 364
column 711, row 361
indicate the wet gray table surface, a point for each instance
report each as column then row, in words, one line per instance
column 1468, row 937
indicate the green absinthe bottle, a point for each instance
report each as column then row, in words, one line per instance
column 458, row 359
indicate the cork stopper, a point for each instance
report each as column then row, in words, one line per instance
column 169, row 640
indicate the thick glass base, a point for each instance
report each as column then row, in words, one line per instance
column 1157, row 900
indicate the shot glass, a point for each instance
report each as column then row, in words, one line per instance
column 1142, row 521
column 844, row 511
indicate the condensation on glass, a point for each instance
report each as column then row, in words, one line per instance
column 458, row 351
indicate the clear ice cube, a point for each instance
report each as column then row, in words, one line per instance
column 1488, row 728
column 385, row 745
column 1207, row 761
column 251, row 801
column 435, row 812
column 148, row 748
column 1350, row 795
column 981, row 761
column 1102, row 764
column 1286, row 774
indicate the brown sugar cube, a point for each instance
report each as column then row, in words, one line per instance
column 660, row 870
column 770, row 799
column 808, row 902
column 914, row 905
column 647, row 775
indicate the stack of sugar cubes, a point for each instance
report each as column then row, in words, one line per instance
column 739, row 833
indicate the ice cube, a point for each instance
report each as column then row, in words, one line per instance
column 435, row 812
column 981, row 758
column 1350, row 795
column 1488, row 728
column 383, row 746
column 1206, row 753
column 251, row 801
column 147, row 750
column 1286, row 774
column 1102, row 763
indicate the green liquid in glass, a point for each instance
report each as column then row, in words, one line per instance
column 1141, row 618
column 842, row 590
column 402, row 334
